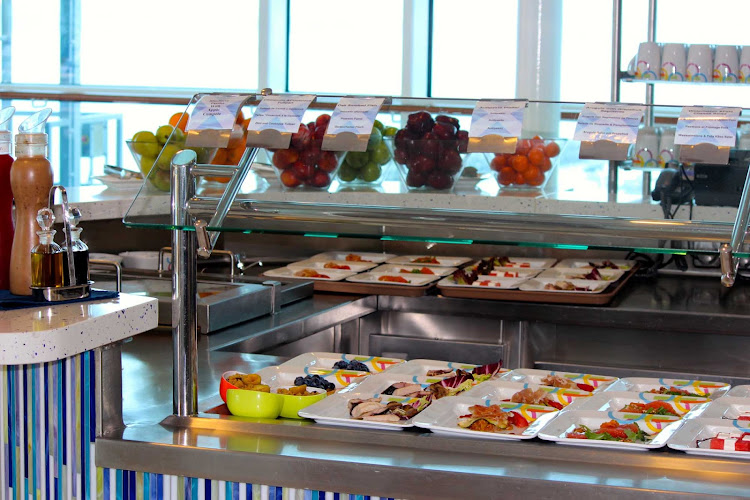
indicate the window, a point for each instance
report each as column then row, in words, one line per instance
column 345, row 47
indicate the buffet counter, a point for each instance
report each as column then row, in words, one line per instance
column 223, row 453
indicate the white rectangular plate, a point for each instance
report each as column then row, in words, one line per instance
column 442, row 261
column 739, row 391
column 693, row 430
column 375, row 258
column 624, row 265
column 662, row 427
column 532, row 376
column 568, row 273
column 285, row 272
column 488, row 282
column 441, row 417
column 713, row 390
column 502, row 390
column 320, row 265
column 326, row 360
column 538, row 285
column 530, row 263
column 336, row 412
column 616, row 401
column 420, row 367
column 727, row 408
column 280, row 376
column 408, row 270
column 374, row 386
column 377, row 279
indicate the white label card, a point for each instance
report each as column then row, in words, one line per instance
column 354, row 114
column 282, row 113
column 216, row 112
column 707, row 125
column 612, row 122
column 503, row 118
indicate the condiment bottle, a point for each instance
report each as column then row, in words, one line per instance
column 31, row 179
column 47, row 256
column 80, row 251
column 6, row 197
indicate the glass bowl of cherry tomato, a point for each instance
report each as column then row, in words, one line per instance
column 530, row 167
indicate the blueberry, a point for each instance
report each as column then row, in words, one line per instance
column 299, row 381
column 342, row 365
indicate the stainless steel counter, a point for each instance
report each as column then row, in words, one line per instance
column 411, row 464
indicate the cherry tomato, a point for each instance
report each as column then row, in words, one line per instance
column 519, row 163
column 552, row 149
column 537, row 156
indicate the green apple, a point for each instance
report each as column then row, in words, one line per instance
column 160, row 180
column 356, row 159
column 347, row 173
column 144, row 143
column 146, row 163
column 163, row 133
column 165, row 158
column 380, row 154
column 370, row 172
column 377, row 124
column 376, row 137
column 390, row 131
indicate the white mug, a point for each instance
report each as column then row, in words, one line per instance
column 726, row 63
column 648, row 61
column 744, row 74
column 667, row 150
column 673, row 61
column 699, row 63
column 646, row 152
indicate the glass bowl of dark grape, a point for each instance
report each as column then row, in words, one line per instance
column 430, row 151
column 353, row 365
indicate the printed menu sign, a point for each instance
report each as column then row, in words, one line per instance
column 717, row 126
column 276, row 118
column 705, row 134
column 496, row 126
column 351, row 123
column 211, row 121
column 616, row 123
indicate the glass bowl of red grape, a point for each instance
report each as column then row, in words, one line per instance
column 304, row 165
column 430, row 152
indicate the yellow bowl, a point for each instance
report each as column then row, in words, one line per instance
column 293, row 404
column 245, row 403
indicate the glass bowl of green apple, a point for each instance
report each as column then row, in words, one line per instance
column 153, row 153
column 371, row 166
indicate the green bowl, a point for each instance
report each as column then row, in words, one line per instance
column 245, row 403
column 293, row 404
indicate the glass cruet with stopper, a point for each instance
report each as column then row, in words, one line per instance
column 47, row 256
column 80, row 251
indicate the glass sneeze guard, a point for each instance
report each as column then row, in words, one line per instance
column 476, row 208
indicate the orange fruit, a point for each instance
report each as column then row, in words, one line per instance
column 179, row 120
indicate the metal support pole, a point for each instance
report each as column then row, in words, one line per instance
column 184, row 276
column 615, row 89
column 649, row 118
column 729, row 262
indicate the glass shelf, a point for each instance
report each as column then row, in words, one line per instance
column 571, row 211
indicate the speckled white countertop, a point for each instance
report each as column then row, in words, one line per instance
column 50, row 333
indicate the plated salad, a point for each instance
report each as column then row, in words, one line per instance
column 611, row 430
column 492, row 418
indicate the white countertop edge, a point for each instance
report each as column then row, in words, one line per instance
column 50, row 333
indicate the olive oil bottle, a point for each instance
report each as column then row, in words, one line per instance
column 47, row 256
column 80, row 252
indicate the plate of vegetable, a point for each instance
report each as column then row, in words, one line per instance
column 645, row 402
column 713, row 437
column 484, row 418
column 673, row 387
column 568, row 380
column 618, row 430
